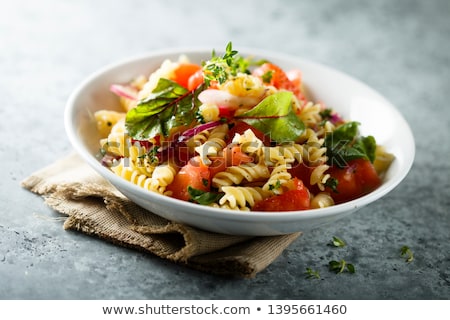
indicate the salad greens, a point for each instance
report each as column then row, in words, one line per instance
column 274, row 116
column 170, row 105
column 345, row 144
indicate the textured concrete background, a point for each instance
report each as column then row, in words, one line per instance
column 401, row 48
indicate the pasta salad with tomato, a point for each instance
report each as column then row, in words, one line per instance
column 239, row 134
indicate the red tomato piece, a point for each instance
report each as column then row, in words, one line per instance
column 194, row 174
column 366, row 175
column 231, row 156
column 275, row 76
column 303, row 172
column 195, row 80
column 354, row 181
column 291, row 200
column 184, row 72
column 225, row 112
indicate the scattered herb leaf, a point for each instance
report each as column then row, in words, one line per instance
column 310, row 273
column 406, row 252
column 341, row 266
column 338, row 242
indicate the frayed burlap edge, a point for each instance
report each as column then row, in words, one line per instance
column 95, row 207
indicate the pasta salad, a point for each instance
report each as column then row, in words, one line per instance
column 236, row 133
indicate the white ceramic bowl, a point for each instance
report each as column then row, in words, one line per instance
column 353, row 99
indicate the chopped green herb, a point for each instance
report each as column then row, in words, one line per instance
column 275, row 186
column 341, row 266
column 338, row 242
column 220, row 69
column 406, row 251
column 267, row 77
column 326, row 114
column 310, row 273
column 199, row 117
column 332, row 183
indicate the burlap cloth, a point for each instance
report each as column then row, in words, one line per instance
column 93, row 206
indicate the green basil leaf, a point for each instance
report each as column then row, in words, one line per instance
column 368, row 146
column 345, row 144
column 204, row 197
column 275, row 117
column 168, row 106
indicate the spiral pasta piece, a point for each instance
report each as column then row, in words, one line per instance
column 248, row 142
column 140, row 161
column 319, row 176
column 117, row 141
column 235, row 175
column 279, row 177
column 197, row 140
column 214, row 143
column 162, row 176
column 242, row 197
column 310, row 114
column 322, row 200
column 106, row 119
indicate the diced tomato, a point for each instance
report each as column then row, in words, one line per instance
column 354, row 181
column 194, row 174
column 225, row 112
column 366, row 175
column 184, row 72
column 303, row 172
column 231, row 156
column 275, row 76
column 241, row 126
column 291, row 200
column 195, row 80
column 295, row 76
column 181, row 155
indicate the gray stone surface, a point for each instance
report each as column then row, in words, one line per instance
column 401, row 48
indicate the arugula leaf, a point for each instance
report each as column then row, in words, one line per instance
column 204, row 197
column 275, row 117
column 168, row 106
column 345, row 144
